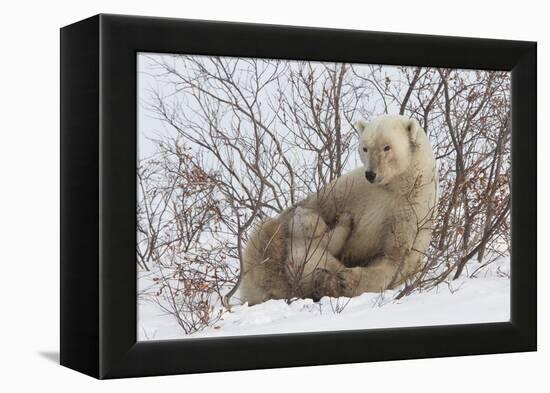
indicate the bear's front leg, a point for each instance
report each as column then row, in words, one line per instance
column 373, row 278
column 329, row 283
column 335, row 280
column 350, row 282
column 381, row 274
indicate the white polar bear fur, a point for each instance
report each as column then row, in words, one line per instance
column 392, row 216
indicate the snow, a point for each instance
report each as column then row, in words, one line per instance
column 464, row 301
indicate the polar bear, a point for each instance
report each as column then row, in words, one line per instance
column 392, row 201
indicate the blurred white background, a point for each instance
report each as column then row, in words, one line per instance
column 29, row 184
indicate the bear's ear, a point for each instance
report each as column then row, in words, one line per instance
column 412, row 127
column 360, row 126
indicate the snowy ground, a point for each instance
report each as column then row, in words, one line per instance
column 478, row 300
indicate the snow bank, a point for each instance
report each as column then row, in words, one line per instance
column 479, row 300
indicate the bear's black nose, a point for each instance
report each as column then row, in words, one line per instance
column 370, row 176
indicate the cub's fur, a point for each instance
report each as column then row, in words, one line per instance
column 292, row 255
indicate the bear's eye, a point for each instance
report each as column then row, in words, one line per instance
column 365, row 149
column 387, row 148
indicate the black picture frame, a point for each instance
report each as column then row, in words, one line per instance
column 98, row 196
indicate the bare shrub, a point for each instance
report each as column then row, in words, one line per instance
column 179, row 237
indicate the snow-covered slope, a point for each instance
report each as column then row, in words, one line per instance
column 477, row 300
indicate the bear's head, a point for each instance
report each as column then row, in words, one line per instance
column 307, row 223
column 386, row 146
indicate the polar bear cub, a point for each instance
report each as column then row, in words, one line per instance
column 314, row 247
